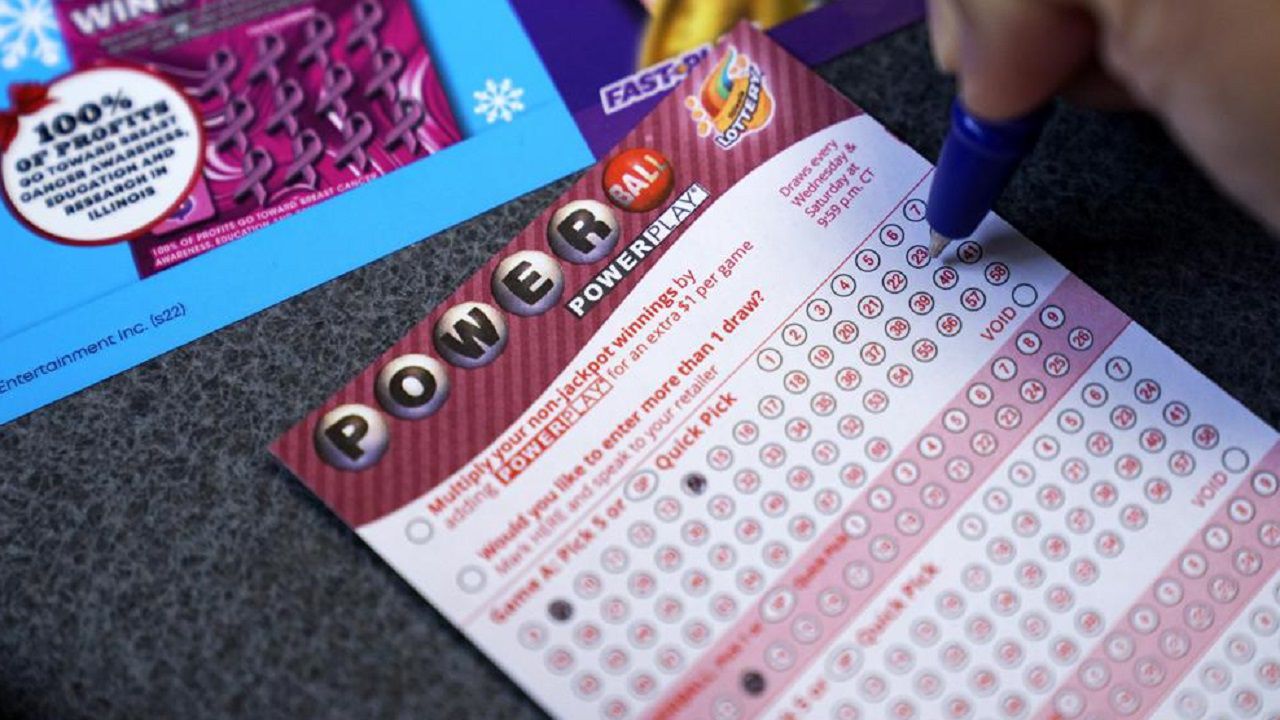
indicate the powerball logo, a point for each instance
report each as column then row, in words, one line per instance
column 734, row 101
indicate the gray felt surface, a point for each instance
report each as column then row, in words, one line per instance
column 156, row 562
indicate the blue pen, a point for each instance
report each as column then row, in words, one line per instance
column 978, row 158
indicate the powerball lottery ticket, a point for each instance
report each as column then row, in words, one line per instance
column 714, row 437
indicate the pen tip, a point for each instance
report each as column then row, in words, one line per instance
column 938, row 243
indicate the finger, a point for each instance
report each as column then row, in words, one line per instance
column 1208, row 69
column 944, row 34
column 1016, row 54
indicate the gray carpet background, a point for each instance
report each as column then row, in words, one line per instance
column 156, row 562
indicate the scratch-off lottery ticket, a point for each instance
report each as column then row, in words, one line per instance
column 714, row 437
column 300, row 100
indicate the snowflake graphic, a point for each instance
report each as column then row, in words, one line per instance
column 28, row 30
column 499, row 99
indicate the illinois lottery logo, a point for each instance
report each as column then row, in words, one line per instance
column 733, row 102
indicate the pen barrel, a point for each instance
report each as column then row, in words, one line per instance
column 978, row 159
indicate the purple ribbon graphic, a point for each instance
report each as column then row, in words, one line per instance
column 289, row 97
column 333, row 89
column 368, row 14
column 184, row 209
column 219, row 68
column 257, row 167
column 407, row 115
column 307, row 150
column 270, row 50
column 356, row 131
column 319, row 32
column 239, row 115
column 387, row 65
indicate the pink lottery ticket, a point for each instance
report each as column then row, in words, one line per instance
column 714, row 437
column 301, row 100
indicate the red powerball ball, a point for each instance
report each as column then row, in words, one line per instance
column 638, row 180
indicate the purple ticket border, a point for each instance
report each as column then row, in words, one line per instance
column 588, row 45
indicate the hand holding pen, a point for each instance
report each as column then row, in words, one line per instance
column 1206, row 69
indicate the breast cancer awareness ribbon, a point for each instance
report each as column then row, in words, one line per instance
column 257, row 168
column 24, row 99
column 368, row 15
column 307, row 151
column 218, row 70
column 356, row 132
column 238, row 115
column 334, row 87
column 407, row 115
column 387, row 65
column 289, row 98
column 318, row 32
column 267, row 67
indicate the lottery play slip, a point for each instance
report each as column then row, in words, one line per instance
column 714, row 437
